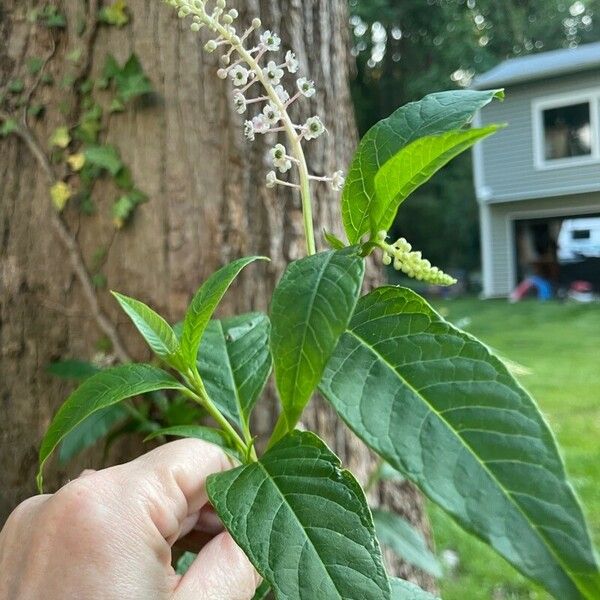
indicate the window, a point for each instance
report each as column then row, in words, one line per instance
column 566, row 130
column 581, row 234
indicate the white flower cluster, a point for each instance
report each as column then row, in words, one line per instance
column 404, row 259
column 248, row 65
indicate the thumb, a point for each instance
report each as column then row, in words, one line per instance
column 220, row 572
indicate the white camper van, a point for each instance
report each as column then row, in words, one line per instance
column 579, row 239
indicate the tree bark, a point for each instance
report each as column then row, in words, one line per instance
column 208, row 205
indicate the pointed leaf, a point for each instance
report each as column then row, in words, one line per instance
column 72, row 369
column 155, row 330
column 303, row 522
column 89, row 431
column 433, row 115
column 436, row 404
column 262, row 592
column 310, row 309
column 98, row 392
column 405, row 541
column 198, row 432
column 413, row 166
column 403, row 590
column 205, row 302
column 234, row 362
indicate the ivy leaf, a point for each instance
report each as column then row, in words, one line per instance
column 90, row 125
column 203, row 306
column 60, row 138
column 434, row 115
column 154, row 329
column 415, row 164
column 72, row 369
column 311, row 308
column 303, row 522
column 125, row 206
column 334, row 242
column 131, row 81
column 60, row 193
column 234, row 362
column 8, row 126
column 405, row 541
column 89, row 431
column 437, row 405
column 105, row 157
column 35, row 64
column 15, row 86
column 115, row 14
column 404, row 590
column 100, row 391
column 199, row 432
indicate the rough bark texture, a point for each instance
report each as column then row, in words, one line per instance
column 208, row 205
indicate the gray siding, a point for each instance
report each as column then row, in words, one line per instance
column 498, row 243
column 507, row 158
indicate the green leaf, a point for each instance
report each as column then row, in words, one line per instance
column 234, row 362
column 131, row 81
column 100, row 391
column 436, row 404
column 124, row 207
column 388, row 473
column 115, row 14
column 433, row 115
column 185, row 562
column 72, row 369
column 8, row 126
column 60, row 137
column 155, row 330
column 15, row 86
column 204, row 303
column 403, row 590
column 406, row 542
column 199, row 432
column 105, row 157
column 334, row 242
column 303, row 522
column 35, row 64
column 89, row 431
column 311, row 308
column 262, row 592
column 415, row 164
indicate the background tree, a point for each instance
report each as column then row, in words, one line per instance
column 408, row 49
column 88, row 137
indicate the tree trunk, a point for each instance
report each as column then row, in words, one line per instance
column 208, row 205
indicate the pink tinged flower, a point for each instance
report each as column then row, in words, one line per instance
column 313, row 128
column 291, row 62
column 271, row 41
column 260, row 124
column 273, row 73
column 306, row 87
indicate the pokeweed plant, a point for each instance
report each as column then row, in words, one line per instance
column 431, row 400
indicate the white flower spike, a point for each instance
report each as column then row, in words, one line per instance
column 260, row 124
column 313, row 128
column 306, row 87
column 280, row 158
column 272, row 114
column 239, row 75
column 271, row 41
column 273, row 73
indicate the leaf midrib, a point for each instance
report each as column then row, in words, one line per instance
column 473, row 454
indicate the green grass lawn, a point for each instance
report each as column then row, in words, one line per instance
column 560, row 345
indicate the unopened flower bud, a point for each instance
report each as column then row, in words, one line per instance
column 256, row 23
column 387, row 259
column 195, row 27
column 210, row 46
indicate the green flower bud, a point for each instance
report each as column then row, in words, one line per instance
column 210, row 46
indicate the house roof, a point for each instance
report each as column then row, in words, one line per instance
column 540, row 66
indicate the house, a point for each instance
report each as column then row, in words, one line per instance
column 539, row 178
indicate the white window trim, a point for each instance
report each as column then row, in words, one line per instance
column 538, row 105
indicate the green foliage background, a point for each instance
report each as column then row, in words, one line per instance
column 408, row 49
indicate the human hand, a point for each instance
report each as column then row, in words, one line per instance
column 108, row 535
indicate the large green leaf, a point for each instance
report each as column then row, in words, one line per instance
column 155, row 330
column 303, row 522
column 72, row 369
column 204, row 303
column 89, row 431
column 403, row 590
column 262, row 591
column 405, row 541
column 198, row 432
column 434, row 115
column 311, row 307
column 234, row 362
column 98, row 392
column 436, row 404
column 415, row 164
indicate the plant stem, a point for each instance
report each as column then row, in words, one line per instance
column 202, row 398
